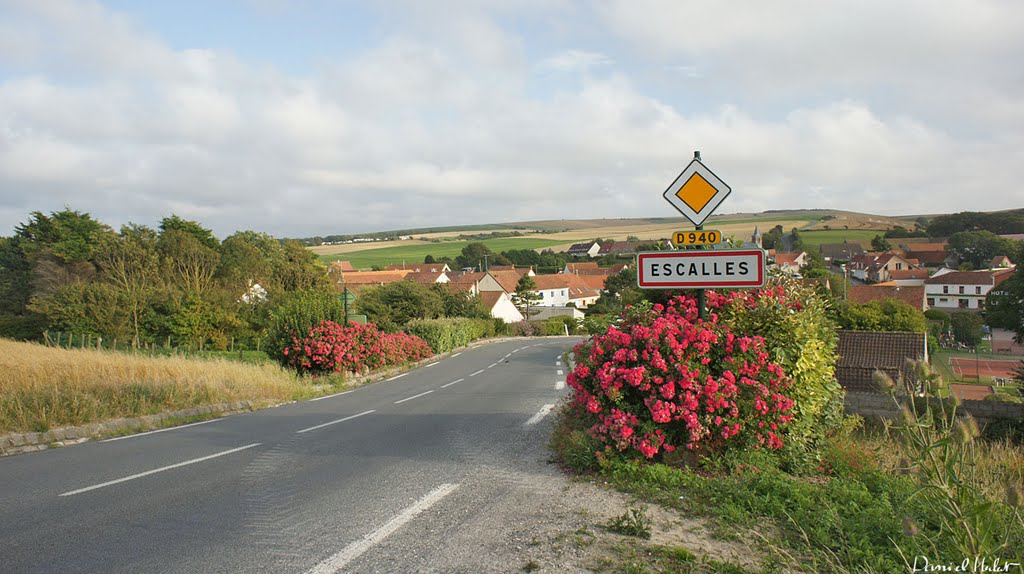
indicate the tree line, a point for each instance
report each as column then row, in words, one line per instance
column 66, row 271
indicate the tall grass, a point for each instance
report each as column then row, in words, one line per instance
column 43, row 387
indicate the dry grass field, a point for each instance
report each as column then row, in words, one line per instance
column 44, row 387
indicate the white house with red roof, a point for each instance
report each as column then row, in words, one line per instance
column 790, row 263
column 951, row 290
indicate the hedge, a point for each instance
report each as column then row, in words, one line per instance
column 447, row 334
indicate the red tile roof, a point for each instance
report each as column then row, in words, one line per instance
column 425, row 277
column 373, row 277
column 507, row 279
column 962, row 278
column 912, row 295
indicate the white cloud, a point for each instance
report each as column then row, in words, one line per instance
column 572, row 60
column 457, row 124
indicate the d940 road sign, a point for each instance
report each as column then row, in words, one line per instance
column 701, row 269
column 697, row 192
column 709, row 237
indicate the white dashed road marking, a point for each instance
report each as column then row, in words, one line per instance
column 413, row 397
column 161, row 469
column 537, row 417
column 452, row 383
column 333, row 422
column 352, row 551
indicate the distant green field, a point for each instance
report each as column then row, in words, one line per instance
column 813, row 239
column 416, row 252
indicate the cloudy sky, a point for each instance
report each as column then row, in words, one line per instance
column 310, row 117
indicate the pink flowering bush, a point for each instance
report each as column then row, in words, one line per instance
column 665, row 380
column 331, row 348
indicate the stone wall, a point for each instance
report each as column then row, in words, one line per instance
column 880, row 405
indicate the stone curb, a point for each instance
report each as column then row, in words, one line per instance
column 19, row 443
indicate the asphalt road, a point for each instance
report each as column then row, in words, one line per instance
column 378, row 479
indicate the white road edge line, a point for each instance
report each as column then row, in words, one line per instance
column 536, row 418
column 396, row 377
column 330, row 396
column 334, row 422
column 430, row 365
column 457, row 354
column 161, row 430
column 559, row 385
column 452, row 383
column 559, row 371
column 156, row 470
column 356, row 549
column 492, row 365
column 477, row 373
column 413, row 397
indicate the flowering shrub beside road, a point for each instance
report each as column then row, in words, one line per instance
column 331, row 347
column 664, row 379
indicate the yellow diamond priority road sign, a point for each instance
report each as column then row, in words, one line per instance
column 697, row 192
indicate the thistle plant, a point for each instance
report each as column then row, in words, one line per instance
column 938, row 446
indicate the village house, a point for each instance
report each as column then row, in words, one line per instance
column 589, row 249
column 930, row 254
column 563, row 289
column 500, row 306
column 861, row 353
column 620, row 248
column 875, row 267
column 790, row 263
column 967, row 290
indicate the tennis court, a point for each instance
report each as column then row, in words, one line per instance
column 982, row 367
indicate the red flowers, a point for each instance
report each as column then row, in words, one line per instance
column 665, row 379
column 331, row 348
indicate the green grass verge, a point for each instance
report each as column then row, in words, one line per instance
column 416, row 251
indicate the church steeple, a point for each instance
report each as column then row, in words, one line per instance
column 756, row 237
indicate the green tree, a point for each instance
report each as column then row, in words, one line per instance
column 473, row 255
column 300, row 270
column 796, row 241
column 393, row 305
column 966, row 327
column 201, row 234
column 884, row 315
column 979, row 247
column 189, row 264
column 815, row 266
column 130, row 264
column 525, row 295
column 459, row 304
column 878, row 243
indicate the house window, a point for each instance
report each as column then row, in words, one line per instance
column 963, row 303
column 961, row 289
column 945, row 288
column 977, row 290
column 943, row 300
column 931, row 301
column 563, row 292
column 899, row 266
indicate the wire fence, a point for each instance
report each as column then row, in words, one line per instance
column 248, row 349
